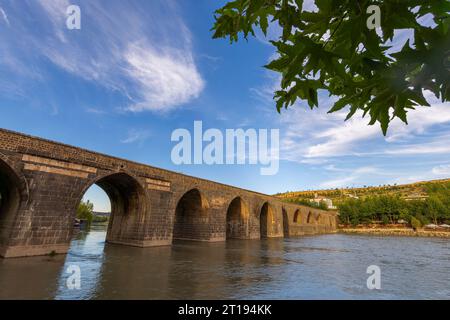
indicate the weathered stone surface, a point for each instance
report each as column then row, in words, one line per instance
column 42, row 182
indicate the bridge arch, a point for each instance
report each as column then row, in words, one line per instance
column 237, row 219
column 191, row 217
column 129, row 204
column 267, row 224
column 10, row 199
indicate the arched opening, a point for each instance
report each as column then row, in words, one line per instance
column 96, row 206
column 285, row 223
column 308, row 219
column 191, row 217
column 237, row 219
column 9, row 199
column 124, row 198
column 297, row 216
column 267, row 221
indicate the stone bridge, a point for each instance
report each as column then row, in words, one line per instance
column 42, row 183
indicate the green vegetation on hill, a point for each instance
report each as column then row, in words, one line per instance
column 390, row 209
column 418, row 203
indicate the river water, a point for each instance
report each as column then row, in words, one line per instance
column 316, row 267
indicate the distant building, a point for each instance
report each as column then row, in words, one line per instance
column 318, row 199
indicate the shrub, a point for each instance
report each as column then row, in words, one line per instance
column 385, row 220
column 415, row 223
column 85, row 211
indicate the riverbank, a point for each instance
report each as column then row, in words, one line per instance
column 402, row 232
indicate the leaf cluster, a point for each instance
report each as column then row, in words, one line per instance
column 332, row 49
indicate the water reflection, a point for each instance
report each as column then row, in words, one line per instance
column 87, row 252
column 329, row 266
column 30, row 278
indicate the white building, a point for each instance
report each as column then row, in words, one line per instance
column 327, row 201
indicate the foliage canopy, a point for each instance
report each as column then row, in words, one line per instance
column 332, row 49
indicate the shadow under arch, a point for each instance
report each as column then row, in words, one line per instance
column 267, row 226
column 191, row 217
column 285, row 223
column 10, row 199
column 129, row 205
column 308, row 219
column 297, row 216
column 318, row 219
column 237, row 219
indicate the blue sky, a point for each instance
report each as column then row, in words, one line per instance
column 137, row 70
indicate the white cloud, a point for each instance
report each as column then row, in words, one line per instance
column 167, row 77
column 442, row 170
column 4, row 16
column 316, row 134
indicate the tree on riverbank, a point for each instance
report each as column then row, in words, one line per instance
column 390, row 209
column 85, row 211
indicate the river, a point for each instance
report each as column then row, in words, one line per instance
column 317, row 267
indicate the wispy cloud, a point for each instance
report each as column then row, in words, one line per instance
column 349, row 177
column 144, row 53
column 4, row 16
column 95, row 111
column 135, row 135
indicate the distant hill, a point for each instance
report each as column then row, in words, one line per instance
column 101, row 214
column 417, row 204
column 412, row 191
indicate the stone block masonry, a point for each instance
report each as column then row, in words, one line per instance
column 42, row 183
